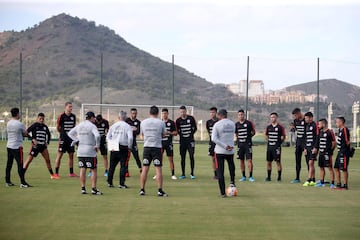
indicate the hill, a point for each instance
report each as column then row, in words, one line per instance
column 339, row 92
column 61, row 61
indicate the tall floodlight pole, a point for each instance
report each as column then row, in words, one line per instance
column 101, row 81
column 247, row 87
column 355, row 110
column 330, row 112
column 318, row 90
column 173, row 84
column 21, row 97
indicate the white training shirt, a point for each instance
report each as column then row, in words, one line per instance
column 223, row 135
column 122, row 133
column 15, row 131
column 153, row 130
column 87, row 134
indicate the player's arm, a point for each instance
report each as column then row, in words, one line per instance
column 48, row 134
column 177, row 124
column 266, row 135
column 58, row 124
column 130, row 137
column 96, row 134
column 138, row 129
column 30, row 134
column 73, row 134
column 194, row 125
column 333, row 140
column 109, row 134
column 163, row 130
column 283, row 134
column 173, row 130
column 253, row 131
column 347, row 137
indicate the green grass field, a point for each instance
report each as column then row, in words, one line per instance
column 55, row 209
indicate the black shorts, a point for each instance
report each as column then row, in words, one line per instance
column 103, row 146
column 152, row 154
column 187, row 146
column 169, row 149
column 273, row 154
column 244, row 152
column 65, row 146
column 36, row 149
column 211, row 149
column 342, row 161
column 309, row 155
column 87, row 162
column 325, row 160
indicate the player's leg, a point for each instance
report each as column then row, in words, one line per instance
column 191, row 149
column 250, row 164
column 145, row 170
column 59, row 155
column 135, row 153
column 9, row 163
column 82, row 166
column 345, row 172
column 18, row 154
column 124, row 158
column 27, row 162
column 298, row 155
column 93, row 168
column 170, row 155
column 242, row 168
column 211, row 153
column 220, row 169
column 46, row 156
column 106, row 164
column 269, row 159
column 231, row 165
column 182, row 156
column 157, row 156
column 278, row 163
column 331, row 171
column 114, row 159
column 71, row 164
column 337, row 171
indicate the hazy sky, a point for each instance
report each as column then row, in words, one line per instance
column 213, row 38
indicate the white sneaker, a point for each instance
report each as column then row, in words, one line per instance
column 173, row 177
column 154, row 177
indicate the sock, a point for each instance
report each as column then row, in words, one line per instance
column 269, row 173
column 94, row 189
column 313, row 179
column 345, row 185
column 71, row 170
column 243, row 173
column 250, row 173
column 106, row 171
column 333, row 182
column 322, row 181
column 57, row 170
column 82, row 188
column 309, row 180
column 279, row 174
column 215, row 173
column 338, row 184
column 24, row 170
column 172, row 172
column 51, row 171
column 160, row 190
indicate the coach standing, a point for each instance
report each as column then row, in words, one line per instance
column 223, row 136
column 16, row 131
column 122, row 135
column 88, row 137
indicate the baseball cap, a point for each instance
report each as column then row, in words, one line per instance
column 89, row 115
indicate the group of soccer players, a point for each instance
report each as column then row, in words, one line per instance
column 315, row 140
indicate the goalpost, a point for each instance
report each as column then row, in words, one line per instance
column 111, row 111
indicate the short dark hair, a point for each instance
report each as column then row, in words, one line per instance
column 99, row 117
column 213, row 109
column 309, row 114
column 165, row 110
column 223, row 112
column 274, row 113
column 68, row 103
column 133, row 109
column 14, row 112
column 296, row 110
column 41, row 115
column 341, row 118
column 182, row 107
column 323, row 120
column 154, row 110
column 241, row 111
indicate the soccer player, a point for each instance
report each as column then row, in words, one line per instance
column 209, row 126
column 65, row 122
column 310, row 152
column 88, row 138
column 325, row 145
column 15, row 133
column 299, row 123
column 186, row 126
column 167, row 141
column 342, row 158
column 103, row 127
column 244, row 131
column 121, row 133
column 275, row 136
column 152, row 130
column 135, row 125
column 223, row 136
column 40, row 139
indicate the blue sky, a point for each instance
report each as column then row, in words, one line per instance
column 213, row 38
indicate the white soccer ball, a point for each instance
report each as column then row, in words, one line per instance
column 231, row 191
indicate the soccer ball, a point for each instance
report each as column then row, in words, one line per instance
column 231, row 191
